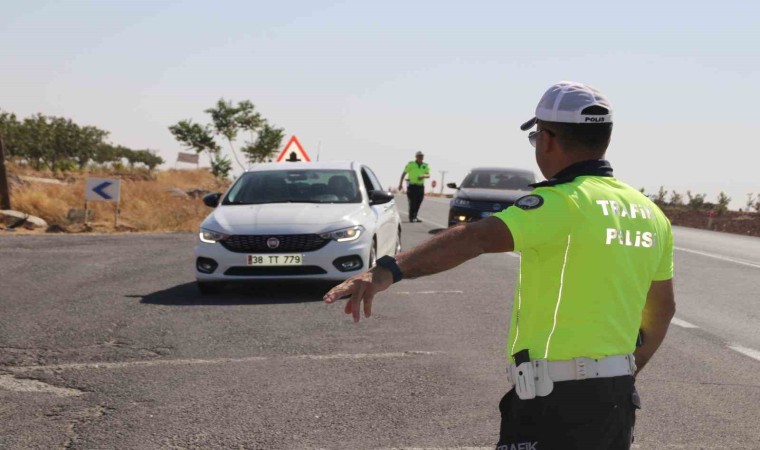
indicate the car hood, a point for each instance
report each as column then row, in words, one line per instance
column 290, row 218
column 490, row 195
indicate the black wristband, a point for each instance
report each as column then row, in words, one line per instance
column 389, row 262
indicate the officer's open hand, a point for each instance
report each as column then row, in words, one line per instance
column 361, row 288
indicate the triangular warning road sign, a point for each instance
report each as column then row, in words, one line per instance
column 293, row 152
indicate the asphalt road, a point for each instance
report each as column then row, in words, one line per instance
column 104, row 343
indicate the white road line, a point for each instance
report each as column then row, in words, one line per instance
column 439, row 200
column 428, row 292
column 745, row 351
column 424, row 220
column 183, row 362
column 722, row 258
column 10, row 383
column 682, row 323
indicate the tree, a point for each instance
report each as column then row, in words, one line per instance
column 723, row 201
column 751, row 201
column 194, row 137
column 265, row 146
column 696, row 201
column 9, row 125
column 676, row 199
column 221, row 166
column 659, row 198
column 228, row 121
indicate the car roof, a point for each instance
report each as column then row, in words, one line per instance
column 333, row 165
column 500, row 169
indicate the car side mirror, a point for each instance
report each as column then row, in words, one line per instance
column 212, row 200
column 452, row 186
column 379, row 197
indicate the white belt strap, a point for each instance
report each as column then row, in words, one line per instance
column 586, row 368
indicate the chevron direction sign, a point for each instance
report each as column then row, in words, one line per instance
column 103, row 189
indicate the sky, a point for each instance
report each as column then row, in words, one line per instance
column 377, row 81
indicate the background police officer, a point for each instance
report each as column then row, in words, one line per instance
column 596, row 267
column 418, row 171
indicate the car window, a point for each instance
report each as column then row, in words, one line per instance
column 377, row 185
column 498, row 179
column 368, row 185
column 295, row 186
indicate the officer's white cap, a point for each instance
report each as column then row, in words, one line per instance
column 567, row 101
column 419, row 154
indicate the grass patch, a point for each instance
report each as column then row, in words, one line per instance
column 147, row 202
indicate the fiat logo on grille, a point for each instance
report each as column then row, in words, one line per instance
column 273, row 243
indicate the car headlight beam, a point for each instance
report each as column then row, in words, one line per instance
column 211, row 237
column 344, row 234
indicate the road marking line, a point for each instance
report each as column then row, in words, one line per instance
column 745, row 351
column 439, row 200
column 183, row 362
column 11, row 383
column 722, row 258
column 424, row 220
column 428, row 292
column 682, row 323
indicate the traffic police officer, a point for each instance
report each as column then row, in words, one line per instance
column 418, row 171
column 595, row 275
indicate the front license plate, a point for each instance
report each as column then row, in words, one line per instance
column 275, row 260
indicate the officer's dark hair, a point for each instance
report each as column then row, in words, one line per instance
column 582, row 137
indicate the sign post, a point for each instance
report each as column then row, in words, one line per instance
column 5, row 192
column 103, row 189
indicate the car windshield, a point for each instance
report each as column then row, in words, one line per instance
column 295, row 186
column 499, row 179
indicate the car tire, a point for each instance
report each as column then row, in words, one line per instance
column 372, row 261
column 398, row 243
column 206, row 288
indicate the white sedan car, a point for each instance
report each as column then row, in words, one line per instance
column 315, row 221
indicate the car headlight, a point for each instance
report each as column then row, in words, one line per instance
column 461, row 202
column 211, row 237
column 344, row 234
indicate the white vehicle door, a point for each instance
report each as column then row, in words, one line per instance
column 385, row 213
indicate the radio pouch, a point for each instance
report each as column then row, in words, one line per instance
column 524, row 376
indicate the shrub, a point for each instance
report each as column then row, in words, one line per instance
column 676, row 199
column 751, row 201
column 659, row 198
column 723, row 201
column 696, row 201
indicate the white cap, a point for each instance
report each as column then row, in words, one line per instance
column 419, row 154
column 566, row 101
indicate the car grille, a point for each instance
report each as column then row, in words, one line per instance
column 288, row 243
column 489, row 206
column 275, row 271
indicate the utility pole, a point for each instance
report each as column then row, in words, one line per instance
column 5, row 193
column 443, row 178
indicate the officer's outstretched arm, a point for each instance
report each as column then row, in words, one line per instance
column 447, row 250
column 658, row 312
